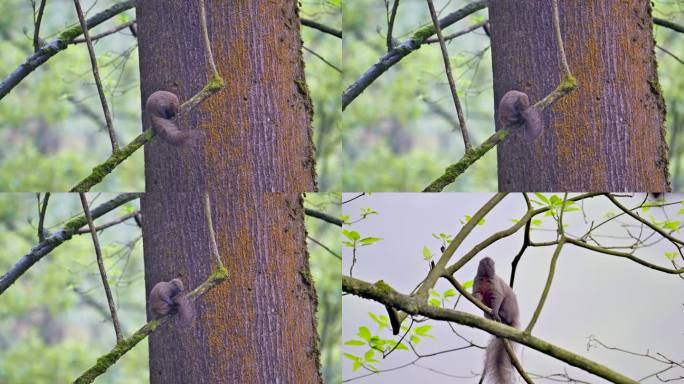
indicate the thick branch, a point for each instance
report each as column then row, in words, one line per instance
column 53, row 241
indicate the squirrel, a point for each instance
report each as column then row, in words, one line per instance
column 169, row 298
column 515, row 109
column 160, row 109
column 495, row 293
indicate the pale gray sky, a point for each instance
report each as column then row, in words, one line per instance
column 620, row 302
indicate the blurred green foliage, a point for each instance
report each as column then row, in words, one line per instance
column 405, row 120
column 325, row 84
column 57, row 312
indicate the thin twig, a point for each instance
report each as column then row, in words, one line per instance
column 105, row 33
column 324, row 247
column 212, row 233
column 450, row 77
column 390, row 25
column 109, row 224
column 559, row 38
column 547, row 287
column 671, row 54
column 526, row 240
column 41, row 216
column 462, row 32
column 36, row 26
column 100, row 265
column 205, row 37
column 331, row 65
column 96, row 75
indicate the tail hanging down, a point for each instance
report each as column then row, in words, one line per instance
column 498, row 366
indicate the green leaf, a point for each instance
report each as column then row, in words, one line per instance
column 369, row 240
column 435, row 302
column 369, row 354
column 354, row 343
column 351, row 235
column 468, row 284
column 449, row 293
column 423, row 330
column 382, row 321
column 542, row 197
column 351, row 357
column 356, row 366
column 364, row 333
column 427, row 255
column 402, row 347
column 670, row 255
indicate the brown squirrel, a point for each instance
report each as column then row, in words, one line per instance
column 495, row 293
column 515, row 109
column 169, row 298
column 160, row 110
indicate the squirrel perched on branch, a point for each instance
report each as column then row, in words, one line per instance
column 161, row 109
column 169, row 298
column 515, row 109
column 495, row 293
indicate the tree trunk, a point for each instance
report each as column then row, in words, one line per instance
column 608, row 134
column 259, row 326
column 258, row 128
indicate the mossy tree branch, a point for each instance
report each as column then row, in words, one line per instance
column 107, row 360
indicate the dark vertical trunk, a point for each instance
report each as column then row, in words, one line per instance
column 258, row 129
column 259, row 326
column 607, row 135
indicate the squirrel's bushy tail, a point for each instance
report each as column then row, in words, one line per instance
column 498, row 366
column 186, row 312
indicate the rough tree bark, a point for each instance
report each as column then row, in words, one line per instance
column 259, row 326
column 607, row 135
